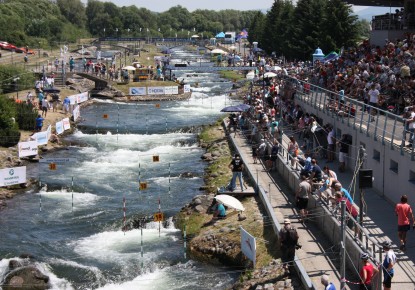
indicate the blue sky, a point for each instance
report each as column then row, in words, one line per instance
column 191, row 5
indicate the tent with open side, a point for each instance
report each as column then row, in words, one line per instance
column 220, row 35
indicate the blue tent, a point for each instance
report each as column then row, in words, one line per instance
column 220, row 35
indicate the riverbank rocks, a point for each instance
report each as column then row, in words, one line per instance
column 22, row 273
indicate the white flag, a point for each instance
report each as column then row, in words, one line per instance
column 159, row 29
column 147, row 30
column 65, row 49
column 140, row 29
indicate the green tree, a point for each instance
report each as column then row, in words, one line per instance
column 339, row 26
column 73, row 11
column 256, row 29
column 307, row 27
column 9, row 131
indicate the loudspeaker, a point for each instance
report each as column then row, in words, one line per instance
column 320, row 137
column 365, row 178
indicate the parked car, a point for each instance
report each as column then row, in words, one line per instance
column 7, row 46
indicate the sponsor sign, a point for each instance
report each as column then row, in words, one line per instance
column 155, row 90
column 27, row 148
column 173, row 90
column 41, row 138
column 248, row 245
column 57, row 160
column 49, row 132
column 78, row 98
column 186, row 88
column 66, row 124
column 138, row 91
column 59, row 127
column 76, row 113
column 11, row 176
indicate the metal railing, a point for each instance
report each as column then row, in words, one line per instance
column 379, row 124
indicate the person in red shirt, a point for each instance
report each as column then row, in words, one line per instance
column 366, row 273
column 404, row 212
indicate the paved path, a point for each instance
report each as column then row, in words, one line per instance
column 320, row 256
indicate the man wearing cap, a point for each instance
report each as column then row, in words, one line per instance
column 288, row 238
column 366, row 273
column 387, row 265
column 325, row 280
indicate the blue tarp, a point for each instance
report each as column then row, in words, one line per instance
column 220, row 35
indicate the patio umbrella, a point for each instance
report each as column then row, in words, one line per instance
column 250, row 75
column 244, row 107
column 276, row 68
column 129, row 67
column 230, row 201
column 270, row 75
column 217, row 50
column 232, row 109
column 232, row 47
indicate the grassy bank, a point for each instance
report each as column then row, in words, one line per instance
column 218, row 174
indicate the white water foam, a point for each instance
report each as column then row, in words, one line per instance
column 116, row 246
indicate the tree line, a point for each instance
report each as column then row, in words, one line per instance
column 296, row 31
column 292, row 31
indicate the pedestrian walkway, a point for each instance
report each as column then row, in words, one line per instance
column 318, row 255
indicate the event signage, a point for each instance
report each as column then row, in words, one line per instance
column 155, row 90
column 66, row 124
column 57, row 160
column 41, row 138
column 173, row 90
column 248, row 245
column 27, row 148
column 76, row 113
column 78, row 98
column 186, row 88
column 11, row 176
column 138, row 91
column 59, row 127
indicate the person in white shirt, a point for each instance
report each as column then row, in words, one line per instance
column 373, row 101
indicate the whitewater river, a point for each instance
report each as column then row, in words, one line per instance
column 73, row 225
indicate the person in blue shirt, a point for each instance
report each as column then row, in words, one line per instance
column 327, row 284
column 345, row 193
column 39, row 123
column 220, row 211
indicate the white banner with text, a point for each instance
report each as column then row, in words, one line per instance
column 138, row 91
column 28, row 148
column 11, row 176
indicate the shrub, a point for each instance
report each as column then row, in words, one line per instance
column 26, row 116
column 9, row 130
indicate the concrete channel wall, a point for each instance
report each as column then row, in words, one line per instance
column 326, row 222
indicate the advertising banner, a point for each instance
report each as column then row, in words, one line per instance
column 66, row 124
column 138, row 91
column 155, row 90
column 59, row 127
column 41, row 138
column 49, row 132
column 248, row 245
column 11, row 176
column 173, row 90
column 76, row 113
column 186, row 88
column 78, row 98
column 27, row 148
